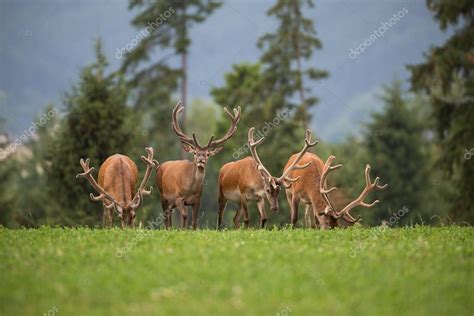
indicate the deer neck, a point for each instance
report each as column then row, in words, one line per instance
column 198, row 175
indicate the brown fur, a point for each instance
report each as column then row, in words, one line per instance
column 306, row 190
column 240, row 182
column 118, row 176
column 180, row 184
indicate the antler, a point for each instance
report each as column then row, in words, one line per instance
column 307, row 145
column 212, row 143
column 253, row 151
column 323, row 183
column 103, row 195
column 234, row 120
column 150, row 164
column 177, row 129
column 359, row 201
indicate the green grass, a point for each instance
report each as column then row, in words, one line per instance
column 411, row 271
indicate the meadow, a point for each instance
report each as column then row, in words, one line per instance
column 355, row 271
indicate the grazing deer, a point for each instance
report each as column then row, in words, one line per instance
column 117, row 178
column 312, row 190
column 180, row 182
column 248, row 180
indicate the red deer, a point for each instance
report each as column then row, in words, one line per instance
column 248, row 180
column 312, row 190
column 180, row 182
column 117, row 178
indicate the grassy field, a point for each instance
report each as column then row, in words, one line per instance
column 411, row 271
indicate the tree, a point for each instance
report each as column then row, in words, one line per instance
column 447, row 78
column 284, row 54
column 396, row 149
column 165, row 25
column 98, row 124
column 243, row 87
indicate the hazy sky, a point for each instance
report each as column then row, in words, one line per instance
column 44, row 44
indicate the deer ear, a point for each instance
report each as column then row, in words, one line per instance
column 215, row 150
column 188, row 148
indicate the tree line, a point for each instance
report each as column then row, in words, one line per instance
column 416, row 142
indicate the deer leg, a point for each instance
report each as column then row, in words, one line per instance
column 294, row 210
column 105, row 220
column 289, row 198
column 222, row 205
column 237, row 217
column 165, row 205
column 168, row 222
column 195, row 214
column 184, row 212
column 320, row 218
column 110, row 218
column 307, row 219
column 245, row 210
column 261, row 210
column 308, row 213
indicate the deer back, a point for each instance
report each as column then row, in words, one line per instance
column 118, row 176
column 308, row 183
column 241, row 174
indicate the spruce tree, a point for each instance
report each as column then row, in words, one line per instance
column 164, row 25
column 286, row 55
column 97, row 124
column 447, row 77
column 396, row 149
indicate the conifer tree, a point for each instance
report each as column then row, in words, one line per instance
column 164, row 32
column 286, row 57
column 98, row 124
column 396, row 149
column 447, row 76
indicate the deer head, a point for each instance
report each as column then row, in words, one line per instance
column 126, row 212
column 272, row 184
column 202, row 153
column 359, row 201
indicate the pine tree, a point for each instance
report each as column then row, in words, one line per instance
column 98, row 124
column 285, row 53
column 447, row 77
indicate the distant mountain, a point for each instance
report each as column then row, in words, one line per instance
column 44, row 44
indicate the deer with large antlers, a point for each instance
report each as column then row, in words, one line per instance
column 180, row 182
column 248, row 180
column 312, row 190
column 116, row 186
